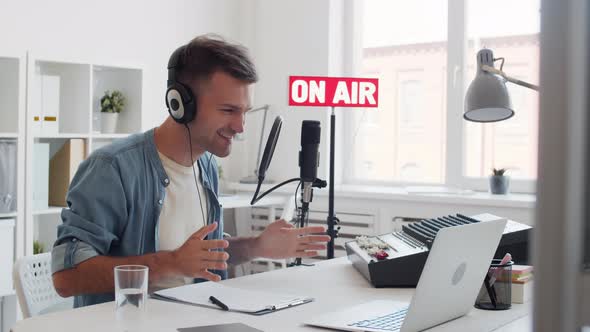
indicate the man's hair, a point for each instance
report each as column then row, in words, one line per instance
column 207, row 54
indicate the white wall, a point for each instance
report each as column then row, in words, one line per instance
column 286, row 38
column 132, row 32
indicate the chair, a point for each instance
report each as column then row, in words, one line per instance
column 287, row 211
column 34, row 286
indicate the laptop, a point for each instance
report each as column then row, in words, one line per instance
column 450, row 281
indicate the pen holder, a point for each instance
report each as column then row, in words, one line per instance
column 496, row 291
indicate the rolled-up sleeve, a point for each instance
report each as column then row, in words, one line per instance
column 70, row 253
column 96, row 214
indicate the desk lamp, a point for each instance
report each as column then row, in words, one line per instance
column 253, row 179
column 487, row 99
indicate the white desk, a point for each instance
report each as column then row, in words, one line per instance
column 335, row 284
column 243, row 200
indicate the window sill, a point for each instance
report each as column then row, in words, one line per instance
column 401, row 194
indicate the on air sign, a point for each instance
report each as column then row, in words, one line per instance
column 333, row 91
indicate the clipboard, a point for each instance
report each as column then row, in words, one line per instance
column 236, row 299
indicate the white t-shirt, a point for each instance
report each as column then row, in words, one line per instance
column 181, row 214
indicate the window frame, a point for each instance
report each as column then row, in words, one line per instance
column 456, row 86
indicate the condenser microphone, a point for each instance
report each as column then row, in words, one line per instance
column 309, row 157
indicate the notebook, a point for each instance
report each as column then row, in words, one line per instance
column 236, row 299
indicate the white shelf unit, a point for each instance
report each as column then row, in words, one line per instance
column 12, row 127
column 49, row 210
column 81, row 85
column 12, row 221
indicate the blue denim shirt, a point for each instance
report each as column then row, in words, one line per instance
column 114, row 203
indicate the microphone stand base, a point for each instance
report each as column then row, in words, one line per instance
column 300, row 264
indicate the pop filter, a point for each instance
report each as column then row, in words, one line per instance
column 269, row 149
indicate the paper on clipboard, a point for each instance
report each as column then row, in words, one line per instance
column 237, row 300
column 288, row 208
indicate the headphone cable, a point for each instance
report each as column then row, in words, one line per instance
column 195, row 172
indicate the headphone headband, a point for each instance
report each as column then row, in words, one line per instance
column 175, row 62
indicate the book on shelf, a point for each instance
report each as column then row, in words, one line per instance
column 40, row 176
column 62, row 168
column 45, row 103
column 50, row 104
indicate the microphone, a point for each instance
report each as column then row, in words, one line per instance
column 309, row 157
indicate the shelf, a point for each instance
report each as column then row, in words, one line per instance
column 8, row 135
column 7, row 215
column 50, row 210
column 129, row 82
column 109, row 136
column 7, row 292
column 61, row 136
column 61, row 90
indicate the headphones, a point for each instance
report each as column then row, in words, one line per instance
column 180, row 99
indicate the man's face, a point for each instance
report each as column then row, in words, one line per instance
column 222, row 103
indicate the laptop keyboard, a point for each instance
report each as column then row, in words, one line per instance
column 389, row 322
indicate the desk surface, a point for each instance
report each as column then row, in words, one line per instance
column 335, row 284
column 243, row 200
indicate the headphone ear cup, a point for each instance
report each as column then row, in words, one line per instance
column 180, row 103
column 175, row 104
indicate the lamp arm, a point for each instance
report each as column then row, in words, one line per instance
column 493, row 70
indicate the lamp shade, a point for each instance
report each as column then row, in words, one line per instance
column 487, row 98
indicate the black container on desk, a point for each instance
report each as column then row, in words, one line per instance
column 496, row 291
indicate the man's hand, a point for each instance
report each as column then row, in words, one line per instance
column 282, row 240
column 194, row 258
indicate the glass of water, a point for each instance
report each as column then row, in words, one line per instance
column 131, row 291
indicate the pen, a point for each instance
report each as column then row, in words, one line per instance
column 494, row 275
column 287, row 305
column 491, row 291
column 220, row 304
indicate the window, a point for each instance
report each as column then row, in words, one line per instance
column 417, row 134
column 512, row 143
column 410, row 99
column 406, row 142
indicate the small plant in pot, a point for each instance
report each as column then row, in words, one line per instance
column 38, row 247
column 111, row 104
column 499, row 181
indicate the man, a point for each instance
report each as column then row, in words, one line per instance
column 151, row 199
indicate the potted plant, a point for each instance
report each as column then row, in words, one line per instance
column 499, row 182
column 111, row 104
column 38, row 247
